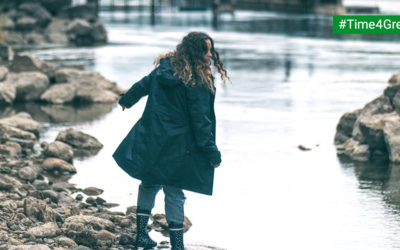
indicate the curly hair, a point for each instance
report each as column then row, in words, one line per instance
column 189, row 63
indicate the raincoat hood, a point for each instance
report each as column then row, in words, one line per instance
column 165, row 73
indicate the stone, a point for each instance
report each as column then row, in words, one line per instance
column 93, row 191
column 88, row 93
column 356, row 151
column 391, row 133
column 28, row 173
column 49, row 229
column 38, row 209
column 30, row 85
column 59, row 93
column 8, row 23
column 57, row 165
column 88, row 221
column 8, row 132
column 345, row 126
column 8, row 183
column 26, row 62
column 30, row 247
column 99, row 33
column 78, row 28
column 22, row 121
column 395, row 79
column 61, row 150
column 78, row 139
column 8, row 93
column 396, row 101
column 10, row 149
column 56, row 31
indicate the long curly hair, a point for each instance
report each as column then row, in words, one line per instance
column 189, row 63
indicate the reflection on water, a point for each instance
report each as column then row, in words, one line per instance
column 71, row 114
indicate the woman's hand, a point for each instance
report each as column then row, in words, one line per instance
column 214, row 166
column 123, row 107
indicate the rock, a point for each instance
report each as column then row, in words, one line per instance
column 30, row 247
column 28, row 173
column 79, row 140
column 160, row 223
column 356, row 151
column 8, row 23
column 10, row 149
column 303, row 148
column 34, row 38
column 105, row 238
column 391, row 91
column 3, row 73
column 35, row 10
column 395, row 79
column 8, row 132
column 38, row 209
column 344, row 129
column 25, row 24
column 30, row 85
column 8, row 204
column 59, row 93
column 26, row 62
column 8, row 93
column 40, row 184
column 396, row 101
column 57, row 165
column 22, row 121
column 79, row 197
column 391, row 133
column 90, row 94
column 6, row 53
column 92, row 201
column 80, row 77
column 79, row 32
column 49, row 229
column 66, row 242
column 59, row 150
column 372, row 128
column 93, row 191
column 8, row 183
column 42, row 195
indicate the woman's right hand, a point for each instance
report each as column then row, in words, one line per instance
column 123, row 107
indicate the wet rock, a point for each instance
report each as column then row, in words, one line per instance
column 356, row 151
column 59, row 93
column 8, row 23
column 8, row 93
column 92, row 191
column 49, row 229
column 30, row 85
column 79, row 197
column 66, row 242
column 391, row 132
column 8, row 132
column 91, row 201
column 28, row 173
column 57, row 165
column 8, row 204
column 59, row 150
column 89, row 93
column 22, row 121
column 344, row 129
column 79, row 140
column 396, row 101
column 40, row 184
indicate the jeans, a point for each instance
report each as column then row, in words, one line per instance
column 174, row 201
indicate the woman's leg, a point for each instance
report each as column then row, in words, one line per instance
column 145, row 203
column 174, row 211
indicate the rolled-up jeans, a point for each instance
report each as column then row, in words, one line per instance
column 174, row 201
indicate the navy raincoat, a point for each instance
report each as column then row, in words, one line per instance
column 173, row 143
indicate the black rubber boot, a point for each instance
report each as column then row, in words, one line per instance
column 142, row 237
column 176, row 236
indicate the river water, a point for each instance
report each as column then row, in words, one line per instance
column 290, row 87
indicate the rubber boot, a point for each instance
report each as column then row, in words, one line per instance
column 176, row 236
column 142, row 236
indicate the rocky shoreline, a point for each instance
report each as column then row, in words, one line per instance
column 26, row 22
column 373, row 132
column 39, row 209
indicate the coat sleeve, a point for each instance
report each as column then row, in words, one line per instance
column 200, row 119
column 137, row 91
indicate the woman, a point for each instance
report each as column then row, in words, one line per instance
column 172, row 147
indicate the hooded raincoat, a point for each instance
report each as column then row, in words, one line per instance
column 173, row 143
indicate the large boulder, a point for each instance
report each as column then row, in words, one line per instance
column 47, row 230
column 8, row 132
column 38, row 209
column 344, row 129
column 82, row 33
column 56, row 31
column 30, row 85
column 60, row 93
